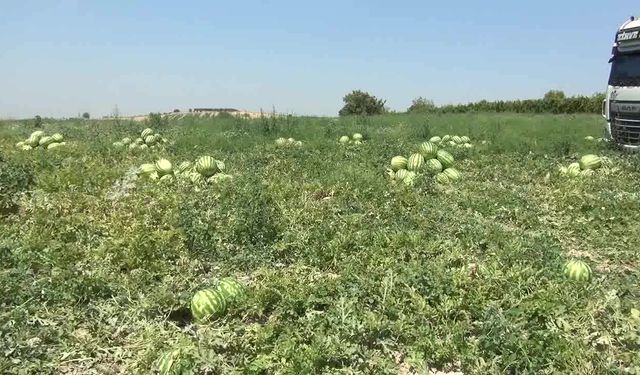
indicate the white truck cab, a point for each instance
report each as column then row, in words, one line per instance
column 621, row 108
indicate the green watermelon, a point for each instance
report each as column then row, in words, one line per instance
column 291, row 140
column 118, row 144
column 589, row 138
column 357, row 137
column 149, row 140
column 457, row 139
column 563, row 170
column 435, row 139
column 163, row 167
column 467, row 145
column 445, row 158
column 206, row 304
column 139, row 141
column 590, row 162
column 20, row 144
column 165, row 364
column 452, row 174
column 401, row 174
column 344, row 139
column 45, row 141
column 207, row 166
column 573, row 170
column 390, row 174
column 126, row 141
column 433, row 166
column 281, row 142
column 27, row 147
column 452, row 143
column 442, row 179
column 298, row 143
column 231, row 288
column 577, row 270
column 147, row 168
column 37, row 134
column 183, row 167
column 410, row 178
column 587, row 173
column 465, row 139
column 196, row 177
column 32, row 141
column 57, row 137
column 133, row 146
column 429, row 150
column 446, row 138
column 143, row 147
column 53, row 145
column 398, row 162
column 415, row 162
column 146, row 132
column 167, row 178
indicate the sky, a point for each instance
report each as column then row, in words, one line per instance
column 59, row 58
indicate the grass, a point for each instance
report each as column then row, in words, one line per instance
column 346, row 273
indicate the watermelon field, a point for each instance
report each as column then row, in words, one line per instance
column 316, row 255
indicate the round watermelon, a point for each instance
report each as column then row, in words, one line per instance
column 281, row 142
column 433, row 166
column 415, row 162
column 149, row 140
column 446, row 138
column 457, row 139
column 590, row 162
column 357, row 137
column 206, row 304
column 143, row 147
column 196, row 177
column 147, row 168
column 401, row 174
column 231, row 288
column 410, row 178
column 344, row 139
column 452, row 174
column 118, row 144
column 57, row 137
column 53, row 145
column 163, row 167
column 589, row 138
column 20, row 144
column 435, row 139
column 429, row 150
column 465, row 139
column 133, row 146
column 398, row 162
column 45, row 141
column 577, row 270
column 139, row 141
column 207, row 166
column 146, row 132
column 587, row 173
column 32, row 141
column 165, row 365
column 290, row 140
column 573, row 170
column 445, row 158
column 183, row 167
column 390, row 174
column 442, row 179
column 27, row 147
column 126, row 141
column 167, row 178
column 37, row 134
column 467, row 145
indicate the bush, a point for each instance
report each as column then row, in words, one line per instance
column 421, row 105
column 362, row 103
column 14, row 179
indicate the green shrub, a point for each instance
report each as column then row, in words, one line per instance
column 14, row 179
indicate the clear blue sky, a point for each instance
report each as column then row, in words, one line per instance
column 61, row 57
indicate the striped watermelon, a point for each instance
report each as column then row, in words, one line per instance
column 445, row 158
column 465, row 139
column 452, row 173
column 54, row 145
column 20, row 144
column 435, row 139
column 577, row 270
column 167, row 178
column 344, row 139
column 457, row 139
column 281, row 142
column 590, row 162
column 398, row 162
column 357, row 137
column 147, row 168
column 139, row 141
column 429, row 150
column 37, row 134
column 446, row 138
column 165, row 364
column 415, row 162
column 467, row 145
column 32, row 141
column 196, row 177
column 231, row 288
column 57, row 137
column 146, row 132
column 206, row 304
column 143, row 147
column 442, row 179
column 27, row 147
column 133, row 146
column 45, row 141
column 149, row 140
column 183, row 167
column 433, row 166
column 573, row 170
column 163, row 167
column 401, row 174
column 126, row 141
column 207, row 166
column 409, row 179
column 390, row 174
column 587, row 173
column 290, row 140
column 357, row 142
column 118, row 144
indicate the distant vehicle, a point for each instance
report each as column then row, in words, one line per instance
column 621, row 108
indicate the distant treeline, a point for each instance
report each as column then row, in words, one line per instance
column 552, row 102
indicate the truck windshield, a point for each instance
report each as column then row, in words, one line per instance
column 625, row 70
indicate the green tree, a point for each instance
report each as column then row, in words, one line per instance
column 86, row 116
column 362, row 103
column 421, row 105
column 38, row 121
